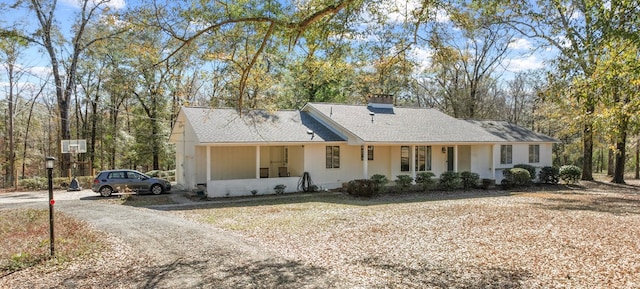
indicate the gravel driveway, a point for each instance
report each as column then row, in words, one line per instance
column 157, row 249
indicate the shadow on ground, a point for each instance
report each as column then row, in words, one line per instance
column 602, row 204
column 431, row 275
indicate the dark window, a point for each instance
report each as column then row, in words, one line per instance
column 333, row 157
column 534, row 153
column 116, row 175
column 404, row 158
column 506, row 154
column 423, row 158
column 369, row 153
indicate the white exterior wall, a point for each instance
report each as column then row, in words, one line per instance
column 521, row 156
column 185, row 159
column 315, row 164
column 234, row 162
column 481, row 161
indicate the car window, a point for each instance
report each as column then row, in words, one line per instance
column 116, row 175
column 134, row 175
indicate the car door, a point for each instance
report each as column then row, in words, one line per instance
column 137, row 181
column 118, row 181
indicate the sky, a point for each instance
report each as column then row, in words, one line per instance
column 522, row 57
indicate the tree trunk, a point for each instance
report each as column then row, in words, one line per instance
column 618, row 176
column 587, row 162
column 638, row 158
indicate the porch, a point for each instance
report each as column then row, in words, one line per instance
column 238, row 170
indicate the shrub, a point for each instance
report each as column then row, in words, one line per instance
column 362, row 188
column 35, row 183
column 279, row 189
column 450, row 180
column 469, row 180
column 486, row 183
column 404, row 181
column 515, row 177
column 549, row 175
column 531, row 169
column 425, row 179
column 380, row 180
column 570, row 173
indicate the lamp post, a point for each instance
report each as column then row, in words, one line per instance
column 49, row 164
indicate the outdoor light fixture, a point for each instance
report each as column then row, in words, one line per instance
column 372, row 114
column 444, row 149
column 310, row 132
column 49, row 162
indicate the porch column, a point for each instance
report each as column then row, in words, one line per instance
column 412, row 162
column 257, row 162
column 208, row 163
column 455, row 158
column 493, row 161
column 365, row 161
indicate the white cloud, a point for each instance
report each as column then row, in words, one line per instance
column 422, row 57
column 442, row 16
column 525, row 63
column 520, row 44
column 113, row 4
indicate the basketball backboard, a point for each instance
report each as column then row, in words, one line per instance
column 73, row 146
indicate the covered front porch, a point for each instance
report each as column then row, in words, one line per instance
column 239, row 170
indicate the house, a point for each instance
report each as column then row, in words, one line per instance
column 234, row 154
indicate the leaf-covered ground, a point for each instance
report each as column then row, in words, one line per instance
column 576, row 237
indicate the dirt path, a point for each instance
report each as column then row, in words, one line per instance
column 172, row 252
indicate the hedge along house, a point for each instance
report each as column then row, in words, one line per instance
column 335, row 143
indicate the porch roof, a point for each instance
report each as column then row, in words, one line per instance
column 407, row 125
column 258, row 126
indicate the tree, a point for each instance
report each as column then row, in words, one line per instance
column 464, row 63
column 10, row 49
column 64, row 68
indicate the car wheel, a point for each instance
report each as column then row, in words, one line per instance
column 156, row 189
column 106, row 191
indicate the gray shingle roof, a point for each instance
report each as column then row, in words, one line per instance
column 226, row 126
column 404, row 125
column 512, row 133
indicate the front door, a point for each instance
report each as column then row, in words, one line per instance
column 450, row 159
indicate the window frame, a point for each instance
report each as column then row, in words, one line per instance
column 405, row 163
column 369, row 153
column 425, row 159
column 332, row 157
column 506, row 154
column 534, row 153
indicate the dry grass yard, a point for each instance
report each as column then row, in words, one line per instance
column 585, row 236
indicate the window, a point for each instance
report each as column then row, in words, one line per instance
column 534, row 153
column 333, row 157
column 369, row 153
column 423, row 158
column 404, row 158
column 506, row 152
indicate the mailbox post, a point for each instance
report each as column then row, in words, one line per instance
column 49, row 163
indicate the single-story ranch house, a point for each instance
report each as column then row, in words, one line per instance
column 236, row 154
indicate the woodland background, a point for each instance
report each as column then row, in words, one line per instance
column 116, row 73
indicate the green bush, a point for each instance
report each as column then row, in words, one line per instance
column 549, row 175
column 570, row 173
column 516, row 177
column 450, row 180
column 487, row 183
column 469, row 180
column 35, row 183
column 362, row 188
column 381, row 180
column 531, row 169
column 425, row 180
column 404, row 181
